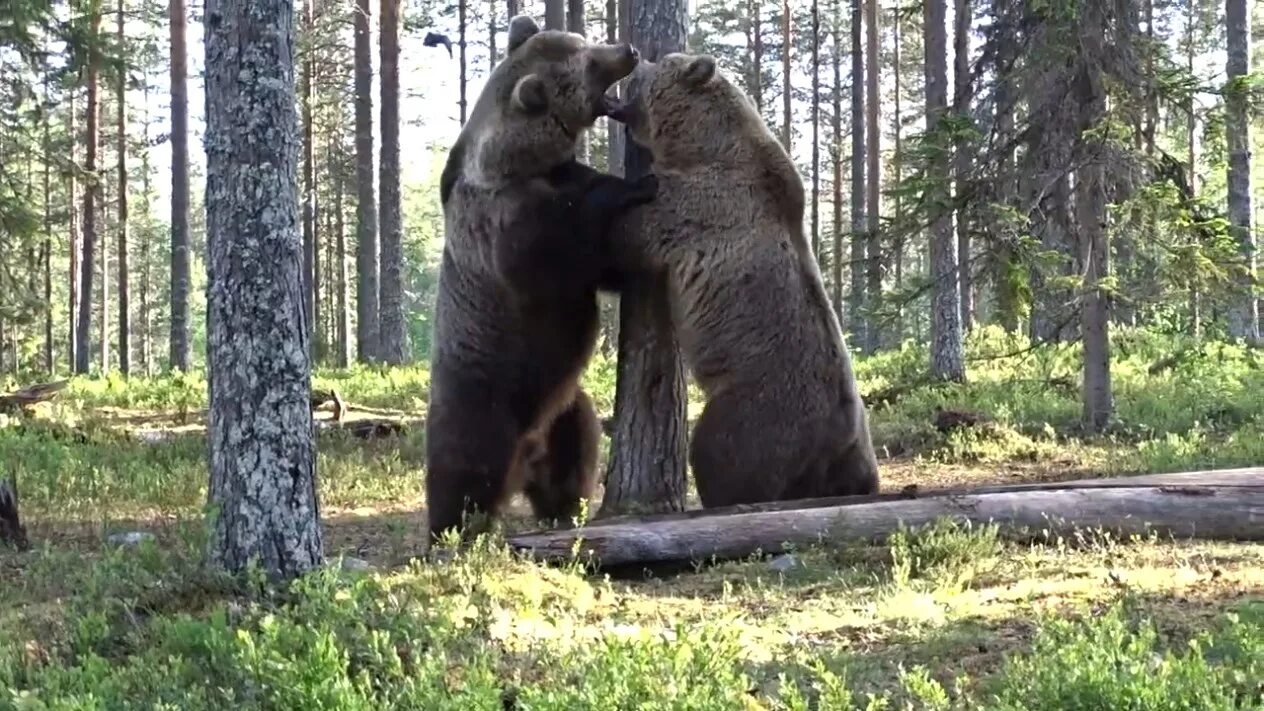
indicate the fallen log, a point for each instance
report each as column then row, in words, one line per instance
column 1247, row 476
column 30, row 395
column 1227, row 512
column 11, row 530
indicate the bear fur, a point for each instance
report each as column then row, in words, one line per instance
column 516, row 316
column 783, row 418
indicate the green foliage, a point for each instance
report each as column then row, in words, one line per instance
column 947, row 553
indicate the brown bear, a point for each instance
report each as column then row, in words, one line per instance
column 516, row 312
column 783, row 418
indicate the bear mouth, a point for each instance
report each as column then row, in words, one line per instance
column 614, row 107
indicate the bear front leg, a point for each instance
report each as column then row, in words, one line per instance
column 567, row 472
column 470, row 448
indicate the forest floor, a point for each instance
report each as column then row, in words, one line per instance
column 943, row 617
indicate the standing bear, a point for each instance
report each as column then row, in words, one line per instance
column 516, row 318
column 783, row 419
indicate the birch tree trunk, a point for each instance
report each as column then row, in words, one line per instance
column 648, row 460
column 262, row 457
column 947, row 360
column 394, row 332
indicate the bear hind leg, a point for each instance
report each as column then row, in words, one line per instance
column 566, row 472
column 742, row 452
column 470, row 451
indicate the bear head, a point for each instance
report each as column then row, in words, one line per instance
column 687, row 113
column 550, row 87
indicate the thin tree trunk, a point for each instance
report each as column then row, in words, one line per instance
column 394, row 336
column 614, row 132
column 857, row 320
column 343, row 310
column 1090, row 201
column 513, row 8
column 308, row 89
column 648, row 461
column 816, row 129
column 1007, row 288
column 262, row 455
column 367, row 256
column 897, row 166
column 947, row 361
column 836, row 126
column 961, row 157
column 786, row 92
column 554, row 14
column 180, row 278
column 461, row 45
column 575, row 23
column 757, row 14
column 1244, row 316
column 105, row 247
column 873, row 174
column 84, row 328
column 124, row 277
column 492, row 53
column 72, row 239
column 146, row 268
column 46, row 249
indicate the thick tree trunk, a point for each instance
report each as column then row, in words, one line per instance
column 367, row 266
column 962, row 155
column 786, row 89
column 947, row 361
column 394, row 329
column 836, row 127
column 816, row 129
column 180, row 279
column 575, row 17
column 262, row 457
column 1192, row 511
column 513, row 8
column 1006, row 277
column 648, row 460
column 554, row 14
column 856, row 318
column 873, row 173
column 91, row 111
column 308, row 89
column 1244, row 316
column 1090, row 201
column 124, row 275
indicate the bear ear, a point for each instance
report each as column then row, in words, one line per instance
column 699, row 71
column 521, row 29
column 529, row 96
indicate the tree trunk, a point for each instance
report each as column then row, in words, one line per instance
column 816, row 129
column 513, row 8
column 786, row 93
column 343, row 310
column 757, row 15
column 46, row 249
column 492, row 52
column 614, row 132
column 308, row 88
column 947, row 361
column 124, row 276
column 262, row 455
column 367, row 325
column 105, row 246
column 1202, row 512
column 836, row 153
column 897, row 166
column 554, row 14
column 648, row 461
column 575, row 17
column 84, row 328
column 873, row 173
column 72, row 239
column 1244, row 317
column 462, row 101
column 146, row 268
column 1007, row 273
column 961, row 155
column 394, row 329
column 180, row 278
column 856, row 319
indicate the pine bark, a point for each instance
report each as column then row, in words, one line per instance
column 856, row 318
column 367, row 252
column 72, row 239
column 463, row 101
column 648, row 461
column 836, row 127
column 947, row 360
column 816, row 129
column 343, row 310
column 394, row 331
column 1244, row 316
column 554, row 14
column 91, row 137
column 897, row 168
column 757, row 31
column 962, row 156
column 262, row 456
column 873, row 173
column 308, row 89
column 180, row 278
column 1090, row 202
column 124, row 265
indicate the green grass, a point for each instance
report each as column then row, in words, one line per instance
column 944, row 617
